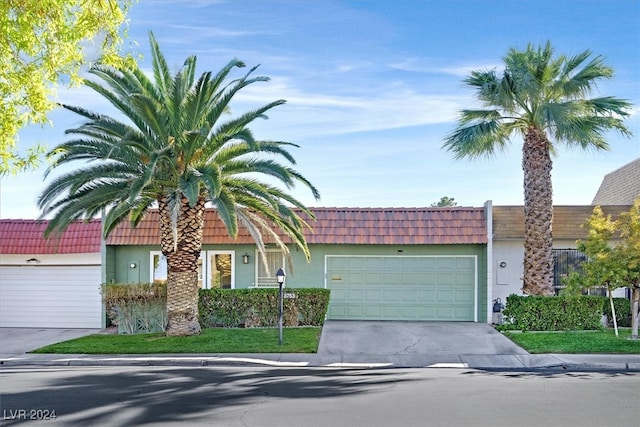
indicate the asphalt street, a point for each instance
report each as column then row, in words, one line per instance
column 279, row 397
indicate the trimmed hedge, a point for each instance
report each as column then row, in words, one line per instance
column 623, row 311
column 141, row 307
column 233, row 308
column 553, row 313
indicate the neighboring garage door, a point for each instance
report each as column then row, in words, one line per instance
column 50, row 297
column 402, row 287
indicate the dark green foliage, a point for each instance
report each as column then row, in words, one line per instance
column 141, row 307
column 259, row 307
column 553, row 313
column 623, row 311
column 312, row 304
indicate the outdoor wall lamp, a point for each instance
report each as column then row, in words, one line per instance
column 503, row 264
column 32, row 261
column 280, row 276
column 245, row 258
column 132, row 265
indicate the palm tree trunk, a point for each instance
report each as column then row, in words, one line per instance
column 181, row 243
column 538, row 213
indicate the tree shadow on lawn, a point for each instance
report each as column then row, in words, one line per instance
column 138, row 396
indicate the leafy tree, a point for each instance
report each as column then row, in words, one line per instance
column 42, row 43
column 543, row 99
column 612, row 266
column 444, row 201
column 629, row 256
column 177, row 153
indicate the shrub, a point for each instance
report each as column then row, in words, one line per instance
column 136, row 307
column 259, row 307
column 553, row 313
column 312, row 304
column 141, row 307
column 623, row 311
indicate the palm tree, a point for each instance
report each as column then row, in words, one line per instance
column 544, row 99
column 175, row 152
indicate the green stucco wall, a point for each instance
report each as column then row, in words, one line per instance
column 303, row 274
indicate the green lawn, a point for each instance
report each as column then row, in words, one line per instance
column 576, row 342
column 305, row 340
column 250, row 340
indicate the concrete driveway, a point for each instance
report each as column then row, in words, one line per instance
column 414, row 343
column 17, row 341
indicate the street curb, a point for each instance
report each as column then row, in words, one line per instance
column 250, row 361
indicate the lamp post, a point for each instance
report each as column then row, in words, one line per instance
column 280, row 276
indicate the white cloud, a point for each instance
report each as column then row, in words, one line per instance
column 310, row 113
column 426, row 66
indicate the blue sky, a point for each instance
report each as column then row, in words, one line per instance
column 372, row 88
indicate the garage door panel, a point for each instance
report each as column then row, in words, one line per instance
column 388, row 295
column 427, row 294
column 373, row 295
column 402, row 288
column 19, row 304
column 50, row 296
column 410, row 295
column 373, row 278
column 48, row 289
column 355, row 278
column 358, row 294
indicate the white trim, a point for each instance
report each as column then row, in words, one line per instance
column 475, row 266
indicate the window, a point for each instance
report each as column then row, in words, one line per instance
column 220, row 269
column 564, row 262
column 266, row 277
column 158, row 268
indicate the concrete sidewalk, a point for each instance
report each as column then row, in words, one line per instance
column 342, row 345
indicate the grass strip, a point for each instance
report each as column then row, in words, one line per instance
column 576, row 342
column 249, row 340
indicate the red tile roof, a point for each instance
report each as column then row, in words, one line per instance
column 374, row 226
column 26, row 237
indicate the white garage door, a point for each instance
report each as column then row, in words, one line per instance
column 50, row 297
column 402, row 288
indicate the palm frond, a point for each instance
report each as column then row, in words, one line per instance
column 172, row 148
column 540, row 90
column 479, row 139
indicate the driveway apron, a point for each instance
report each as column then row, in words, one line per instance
column 439, row 342
column 17, row 341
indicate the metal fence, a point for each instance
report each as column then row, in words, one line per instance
column 564, row 262
column 567, row 260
